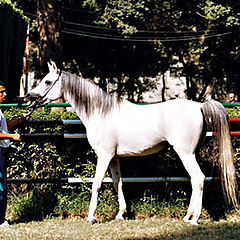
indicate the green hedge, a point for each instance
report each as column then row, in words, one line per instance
column 51, row 157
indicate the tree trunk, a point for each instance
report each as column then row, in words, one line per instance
column 49, row 25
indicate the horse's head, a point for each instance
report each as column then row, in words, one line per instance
column 48, row 89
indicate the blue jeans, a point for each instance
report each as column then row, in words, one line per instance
column 3, row 186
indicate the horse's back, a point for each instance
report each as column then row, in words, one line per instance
column 174, row 110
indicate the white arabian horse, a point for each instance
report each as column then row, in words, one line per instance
column 117, row 128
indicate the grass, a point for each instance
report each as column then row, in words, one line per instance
column 151, row 228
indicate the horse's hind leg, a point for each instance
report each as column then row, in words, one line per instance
column 117, row 182
column 197, row 181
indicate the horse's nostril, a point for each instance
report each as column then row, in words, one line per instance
column 31, row 95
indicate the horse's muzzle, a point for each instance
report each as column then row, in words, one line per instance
column 32, row 99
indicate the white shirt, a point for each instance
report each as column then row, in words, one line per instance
column 4, row 143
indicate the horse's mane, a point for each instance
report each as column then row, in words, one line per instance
column 86, row 94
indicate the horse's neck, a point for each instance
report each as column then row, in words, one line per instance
column 79, row 111
column 88, row 100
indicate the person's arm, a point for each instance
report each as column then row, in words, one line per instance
column 14, row 122
column 12, row 136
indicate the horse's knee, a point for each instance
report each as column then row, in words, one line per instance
column 96, row 188
column 198, row 180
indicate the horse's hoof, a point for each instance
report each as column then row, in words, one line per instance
column 119, row 216
column 195, row 223
column 192, row 222
column 92, row 220
column 186, row 219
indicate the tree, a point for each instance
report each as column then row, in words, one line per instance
column 200, row 33
column 121, row 40
column 49, row 25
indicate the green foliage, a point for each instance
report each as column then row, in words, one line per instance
column 233, row 112
column 88, row 170
column 14, row 8
column 107, row 204
column 49, row 158
column 35, row 161
column 73, row 204
column 203, row 35
column 76, row 204
column 123, row 14
column 215, row 12
column 40, row 114
column 149, row 205
column 204, row 32
column 37, row 204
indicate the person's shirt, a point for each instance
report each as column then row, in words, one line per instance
column 4, row 143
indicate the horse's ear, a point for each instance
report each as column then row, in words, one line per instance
column 52, row 67
column 49, row 66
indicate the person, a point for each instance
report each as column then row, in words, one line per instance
column 5, row 138
column 232, row 98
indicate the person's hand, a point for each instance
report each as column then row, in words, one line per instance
column 16, row 137
column 26, row 116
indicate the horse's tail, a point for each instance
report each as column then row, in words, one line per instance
column 217, row 120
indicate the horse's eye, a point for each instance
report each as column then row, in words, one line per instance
column 48, row 82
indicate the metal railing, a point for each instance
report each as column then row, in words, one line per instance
column 78, row 180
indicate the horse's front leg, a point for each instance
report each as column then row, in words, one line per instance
column 117, row 183
column 102, row 165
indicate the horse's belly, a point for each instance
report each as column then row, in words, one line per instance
column 124, row 151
